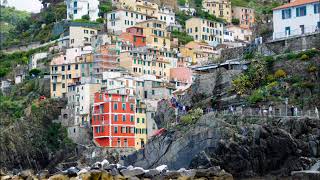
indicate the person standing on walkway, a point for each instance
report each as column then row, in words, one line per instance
column 317, row 112
column 270, row 110
column 292, row 110
column 295, row 111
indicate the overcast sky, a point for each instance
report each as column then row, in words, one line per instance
column 27, row 5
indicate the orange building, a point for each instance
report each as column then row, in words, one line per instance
column 113, row 120
column 135, row 36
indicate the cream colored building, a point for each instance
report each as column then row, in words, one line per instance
column 65, row 70
column 146, row 7
column 218, row 8
column 199, row 52
column 81, row 36
column 144, row 60
column 245, row 15
column 205, row 30
column 119, row 20
column 156, row 33
column 240, row 34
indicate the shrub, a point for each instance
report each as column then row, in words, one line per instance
column 270, row 78
column 291, row 56
column 304, row 57
column 192, row 117
column 34, row 72
column 312, row 69
column 86, row 17
column 99, row 20
column 235, row 21
column 280, row 74
column 256, row 96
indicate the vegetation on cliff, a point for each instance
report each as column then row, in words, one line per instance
column 28, row 132
column 272, row 79
column 21, row 27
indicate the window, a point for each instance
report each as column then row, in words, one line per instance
column 317, row 8
column 125, row 143
column 287, row 31
column 75, row 11
column 69, row 67
column 131, row 107
column 115, row 130
column 123, row 129
column 138, row 120
column 76, row 66
column 142, row 120
column 131, row 118
column 123, row 106
column 54, row 87
column 63, row 85
column 62, row 68
column 286, row 14
column 152, row 92
column 123, row 118
column 134, row 38
column 301, row 11
column 115, row 118
column 155, row 39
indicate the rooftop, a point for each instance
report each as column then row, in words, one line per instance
column 295, row 3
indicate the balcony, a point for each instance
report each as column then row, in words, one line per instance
column 55, row 72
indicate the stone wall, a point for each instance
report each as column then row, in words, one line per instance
column 294, row 43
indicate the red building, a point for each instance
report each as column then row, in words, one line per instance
column 113, row 120
column 135, row 36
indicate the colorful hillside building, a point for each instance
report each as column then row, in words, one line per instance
column 113, row 120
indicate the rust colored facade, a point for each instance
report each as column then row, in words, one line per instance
column 135, row 36
column 113, row 120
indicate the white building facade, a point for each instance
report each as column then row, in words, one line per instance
column 118, row 21
column 78, row 8
column 167, row 15
column 296, row 18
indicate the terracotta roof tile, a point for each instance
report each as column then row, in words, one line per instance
column 295, row 3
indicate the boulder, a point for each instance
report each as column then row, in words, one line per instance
column 171, row 175
column 44, row 174
column 59, row 177
column 26, row 173
column 110, row 167
column 104, row 163
column 96, row 165
column 151, row 173
column 162, row 168
column 72, row 172
column 306, row 175
column 132, row 172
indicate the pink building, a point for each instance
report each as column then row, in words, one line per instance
column 181, row 76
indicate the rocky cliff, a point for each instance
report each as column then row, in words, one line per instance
column 245, row 147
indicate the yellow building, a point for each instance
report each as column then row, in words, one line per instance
column 145, row 7
column 218, row 8
column 199, row 52
column 146, row 60
column 140, row 125
column 63, row 74
column 156, row 33
column 205, row 30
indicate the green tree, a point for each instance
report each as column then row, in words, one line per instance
column 86, row 17
column 34, row 72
